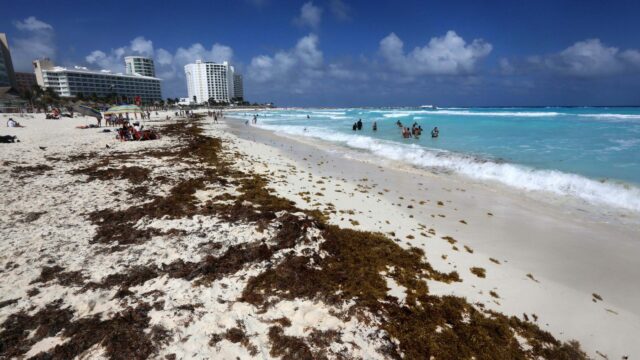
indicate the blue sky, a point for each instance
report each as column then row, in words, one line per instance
column 355, row 53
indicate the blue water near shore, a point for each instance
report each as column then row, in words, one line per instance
column 589, row 153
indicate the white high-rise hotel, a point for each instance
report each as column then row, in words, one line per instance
column 209, row 80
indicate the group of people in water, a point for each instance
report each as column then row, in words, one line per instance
column 415, row 131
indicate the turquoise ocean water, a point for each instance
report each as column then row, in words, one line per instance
column 589, row 153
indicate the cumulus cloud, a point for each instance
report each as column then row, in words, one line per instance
column 585, row 59
column 446, row 55
column 342, row 72
column 36, row 40
column 142, row 46
column 304, row 59
column 632, row 57
column 163, row 57
column 114, row 60
column 310, row 15
column 339, row 9
column 32, row 24
column 217, row 53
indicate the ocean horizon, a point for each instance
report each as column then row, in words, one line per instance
column 586, row 152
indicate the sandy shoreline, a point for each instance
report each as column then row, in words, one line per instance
column 571, row 253
column 44, row 215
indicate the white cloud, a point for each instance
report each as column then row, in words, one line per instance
column 304, row 60
column 585, row 59
column 96, row 57
column 632, row 57
column 341, row 72
column 217, row 53
column 36, row 41
column 339, row 9
column 142, row 46
column 506, row 68
column 310, row 15
column 446, row 55
column 307, row 51
column 32, row 24
column 588, row 59
column 110, row 61
column 163, row 57
column 114, row 60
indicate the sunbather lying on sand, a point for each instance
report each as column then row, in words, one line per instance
column 6, row 139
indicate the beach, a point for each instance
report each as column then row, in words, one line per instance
column 190, row 253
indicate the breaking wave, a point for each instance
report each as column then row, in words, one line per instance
column 514, row 175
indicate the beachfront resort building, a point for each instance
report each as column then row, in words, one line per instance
column 7, row 76
column 25, row 81
column 139, row 65
column 238, row 91
column 68, row 82
column 209, row 80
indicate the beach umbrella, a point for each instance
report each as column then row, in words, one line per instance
column 121, row 109
column 87, row 111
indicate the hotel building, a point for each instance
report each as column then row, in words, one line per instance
column 139, row 65
column 25, row 81
column 209, row 80
column 238, row 91
column 68, row 82
column 7, row 76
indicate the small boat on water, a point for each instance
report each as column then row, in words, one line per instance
column 428, row 107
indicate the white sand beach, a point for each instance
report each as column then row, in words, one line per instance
column 560, row 265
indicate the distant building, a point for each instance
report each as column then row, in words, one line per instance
column 25, row 81
column 7, row 76
column 209, row 80
column 10, row 100
column 238, row 91
column 68, row 82
column 139, row 65
column 185, row 101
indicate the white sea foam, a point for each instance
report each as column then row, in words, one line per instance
column 499, row 113
column 518, row 176
column 403, row 113
column 329, row 112
column 612, row 116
